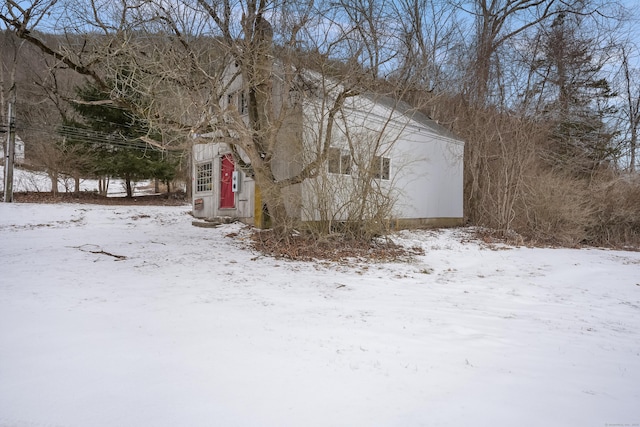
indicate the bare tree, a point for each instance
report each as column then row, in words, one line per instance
column 631, row 107
column 428, row 32
column 181, row 59
column 497, row 22
column 11, row 53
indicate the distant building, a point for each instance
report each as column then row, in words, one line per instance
column 19, row 150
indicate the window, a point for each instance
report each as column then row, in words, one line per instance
column 239, row 100
column 242, row 103
column 339, row 161
column 204, row 177
column 295, row 96
column 381, row 167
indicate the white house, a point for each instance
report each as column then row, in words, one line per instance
column 18, row 153
column 410, row 164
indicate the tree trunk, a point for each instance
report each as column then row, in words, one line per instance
column 281, row 223
column 127, row 181
column 633, row 148
column 272, row 196
column 103, row 186
column 482, row 71
column 53, row 175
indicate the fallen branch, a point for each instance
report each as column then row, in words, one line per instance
column 119, row 257
column 99, row 251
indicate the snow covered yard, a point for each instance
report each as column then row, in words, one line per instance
column 38, row 181
column 130, row 316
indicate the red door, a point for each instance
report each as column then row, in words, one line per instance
column 227, row 196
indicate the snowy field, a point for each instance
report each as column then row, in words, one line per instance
column 130, row 316
column 25, row 180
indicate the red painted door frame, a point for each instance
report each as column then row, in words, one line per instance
column 227, row 196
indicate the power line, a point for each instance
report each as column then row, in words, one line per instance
column 88, row 136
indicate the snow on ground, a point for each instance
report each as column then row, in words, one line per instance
column 38, row 181
column 130, row 316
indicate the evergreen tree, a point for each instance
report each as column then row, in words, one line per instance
column 113, row 135
column 574, row 96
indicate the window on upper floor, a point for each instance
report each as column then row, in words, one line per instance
column 238, row 100
column 242, row 103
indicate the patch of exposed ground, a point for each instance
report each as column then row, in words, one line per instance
column 172, row 199
column 331, row 248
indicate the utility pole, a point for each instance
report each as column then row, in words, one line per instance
column 9, row 156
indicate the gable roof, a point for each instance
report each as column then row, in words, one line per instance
column 394, row 106
column 413, row 114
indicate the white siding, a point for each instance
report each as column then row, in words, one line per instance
column 426, row 177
